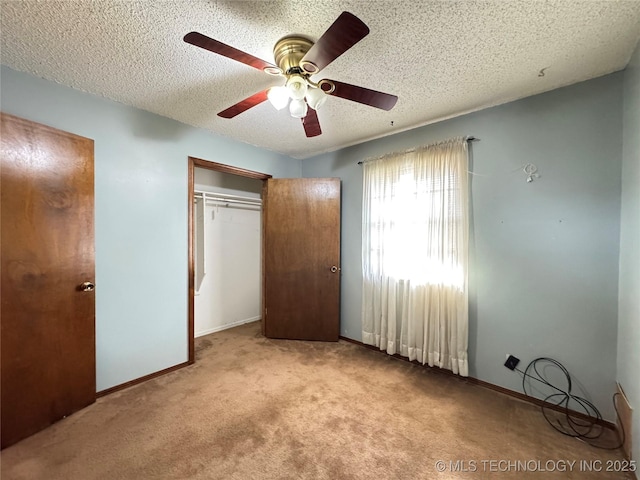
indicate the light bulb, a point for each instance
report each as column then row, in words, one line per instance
column 316, row 98
column 297, row 87
column 279, row 97
column 298, row 108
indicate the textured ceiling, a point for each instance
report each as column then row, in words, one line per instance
column 441, row 58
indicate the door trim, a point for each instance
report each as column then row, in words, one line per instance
column 218, row 167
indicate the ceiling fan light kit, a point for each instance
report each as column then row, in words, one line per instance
column 279, row 97
column 297, row 89
column 297, row 86
column 315, row 98
column 297, row 58
column 298, row 108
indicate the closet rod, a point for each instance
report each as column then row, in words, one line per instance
column 229, row 201
column 218, row 201
column 225, row 196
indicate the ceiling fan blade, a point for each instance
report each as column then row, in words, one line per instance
column 202, row 41
column 311, row 124
column 343, row 34
column 244, row 105
column 363, row 95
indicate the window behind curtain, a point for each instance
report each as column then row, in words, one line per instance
column 414, row 214
column 415, row 241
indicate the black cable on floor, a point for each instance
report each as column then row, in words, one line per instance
column 585, row 429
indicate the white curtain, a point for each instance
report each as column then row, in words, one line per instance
column 415, row 235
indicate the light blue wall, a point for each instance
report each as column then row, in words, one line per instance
column 629, row 296
column 140, row 216
column 544, row 254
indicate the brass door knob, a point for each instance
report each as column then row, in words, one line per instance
column 87, row 287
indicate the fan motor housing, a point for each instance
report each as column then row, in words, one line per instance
column 289, row 50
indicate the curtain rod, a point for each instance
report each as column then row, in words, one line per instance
column 469, row 138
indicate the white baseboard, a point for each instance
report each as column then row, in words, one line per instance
column 202, row 333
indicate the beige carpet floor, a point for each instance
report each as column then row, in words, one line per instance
column 254, row 408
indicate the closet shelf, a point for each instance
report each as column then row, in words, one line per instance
column 226, row 198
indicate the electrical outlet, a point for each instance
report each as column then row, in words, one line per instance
column 512, row 362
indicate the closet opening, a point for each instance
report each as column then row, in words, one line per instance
column 225, row 247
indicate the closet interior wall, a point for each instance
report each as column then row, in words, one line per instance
column 227, row 250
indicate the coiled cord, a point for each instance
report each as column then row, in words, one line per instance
column 584, row 429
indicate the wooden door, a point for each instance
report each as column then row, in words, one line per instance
column 48, row 320
column 302, row 258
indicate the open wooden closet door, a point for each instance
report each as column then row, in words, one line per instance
column 301, row 258
column 48, row 299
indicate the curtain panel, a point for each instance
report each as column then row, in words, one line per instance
column 415, row 254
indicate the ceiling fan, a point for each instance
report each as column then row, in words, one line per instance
column 297, row 58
